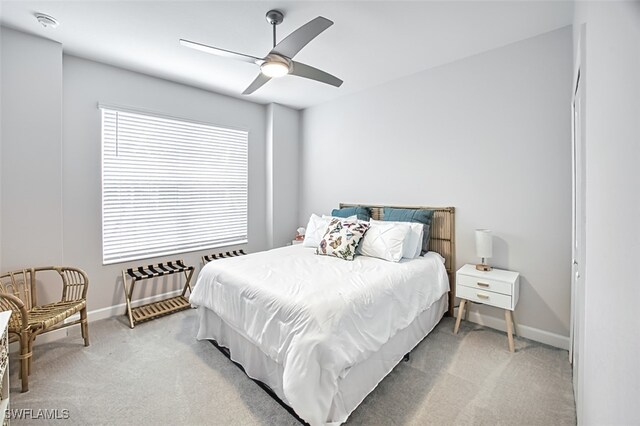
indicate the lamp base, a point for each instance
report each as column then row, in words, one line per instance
column 483, row 267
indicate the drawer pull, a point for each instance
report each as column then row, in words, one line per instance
column 483, row 285
column 482, row 296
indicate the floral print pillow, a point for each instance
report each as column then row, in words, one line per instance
column 341, row 238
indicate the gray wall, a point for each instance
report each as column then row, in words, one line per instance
column 609, row 375
column 283, row 139
column 490, row 135
column 31, row 150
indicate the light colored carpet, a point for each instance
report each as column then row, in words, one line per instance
column 158, row 374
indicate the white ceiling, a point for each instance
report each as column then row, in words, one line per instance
column 369, row 44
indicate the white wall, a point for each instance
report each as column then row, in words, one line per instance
column 85, row 84
column 489, row 135
column 610, row 376
column 283, row 136
column 31, row 226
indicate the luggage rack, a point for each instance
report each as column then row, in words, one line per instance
column 162, row 307
column 209, row 257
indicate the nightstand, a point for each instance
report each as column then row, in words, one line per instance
column 294, row 242
column 498, row 287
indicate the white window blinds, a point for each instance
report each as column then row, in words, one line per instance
column 170, row 186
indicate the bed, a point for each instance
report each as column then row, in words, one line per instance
column 321, row 332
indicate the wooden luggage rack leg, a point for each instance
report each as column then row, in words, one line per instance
column 127, row 296
column 162, row 307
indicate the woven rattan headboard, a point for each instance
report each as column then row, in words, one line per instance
column 442, row 240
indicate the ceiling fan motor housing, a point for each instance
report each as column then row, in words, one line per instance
column 274, row 57
column 275, row 17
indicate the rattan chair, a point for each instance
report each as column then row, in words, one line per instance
column 18, row 294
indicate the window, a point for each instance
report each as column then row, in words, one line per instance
column 170, row 186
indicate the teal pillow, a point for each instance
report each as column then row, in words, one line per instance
column 425, row 217
column 363, row 213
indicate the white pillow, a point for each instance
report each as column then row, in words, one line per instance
column 385, row 240
column 413, row 242
column 316, row 228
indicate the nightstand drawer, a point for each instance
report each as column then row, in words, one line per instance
column 486, row 297
column 485, row 284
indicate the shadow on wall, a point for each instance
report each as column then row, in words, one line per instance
column 529, row 292
column 500, row 251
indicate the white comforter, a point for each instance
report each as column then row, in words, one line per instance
column 317, row 315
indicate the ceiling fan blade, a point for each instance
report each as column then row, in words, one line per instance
column 260, row 80
column 306, row 71
column 298, row 39
column 220, row 52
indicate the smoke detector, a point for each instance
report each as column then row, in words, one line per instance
column 46, row 20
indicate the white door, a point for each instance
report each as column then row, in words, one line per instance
column 578, row 231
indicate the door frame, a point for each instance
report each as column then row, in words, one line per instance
column 578, row 196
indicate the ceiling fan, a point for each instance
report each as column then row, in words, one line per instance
column 279, row 61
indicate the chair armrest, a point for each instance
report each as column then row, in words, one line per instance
column 9, row 302
column 74, row 282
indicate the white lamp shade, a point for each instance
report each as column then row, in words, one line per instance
column 484, row 243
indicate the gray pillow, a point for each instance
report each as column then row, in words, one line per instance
column 363, row 213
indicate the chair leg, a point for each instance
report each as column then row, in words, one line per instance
column 84, row 326
column 30, row 349
column 25, row 357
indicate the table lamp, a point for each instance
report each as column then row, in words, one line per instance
column 484, row 248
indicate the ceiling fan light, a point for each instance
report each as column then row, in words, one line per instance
column 274, row 69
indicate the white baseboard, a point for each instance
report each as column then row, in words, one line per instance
column 551, row 339
column 95, row 315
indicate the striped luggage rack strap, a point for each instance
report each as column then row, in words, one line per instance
column 158, row 270
column 209, row 257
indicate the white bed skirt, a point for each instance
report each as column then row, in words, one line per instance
column 355, row 383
